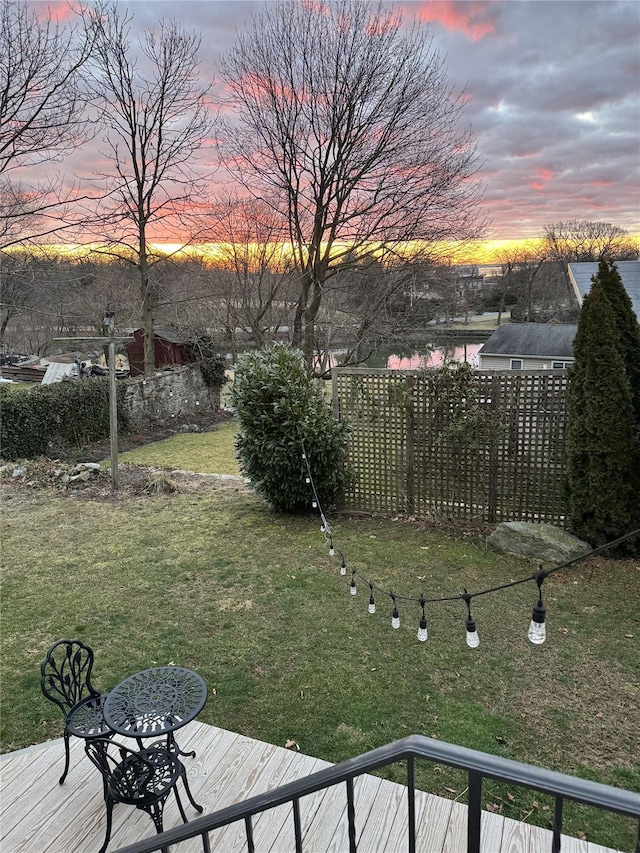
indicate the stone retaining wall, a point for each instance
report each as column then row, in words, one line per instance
column 173, row 393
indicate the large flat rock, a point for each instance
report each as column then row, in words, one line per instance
column 543, row 542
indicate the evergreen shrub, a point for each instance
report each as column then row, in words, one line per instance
column 603, row 427
column 281, row 409
column 37, row 421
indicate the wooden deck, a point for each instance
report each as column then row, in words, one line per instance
column 40, row 816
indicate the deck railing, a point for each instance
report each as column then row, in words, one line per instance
column 478, row 766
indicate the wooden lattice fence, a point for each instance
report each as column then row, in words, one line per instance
column 489, row 451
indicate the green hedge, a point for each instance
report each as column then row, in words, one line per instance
column 38, row 421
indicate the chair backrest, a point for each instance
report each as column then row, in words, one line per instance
column 65, row 674
column 128, row 774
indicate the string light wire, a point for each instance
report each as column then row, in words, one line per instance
column 537, row 626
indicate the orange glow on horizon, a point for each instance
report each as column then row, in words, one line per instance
column 480, row 252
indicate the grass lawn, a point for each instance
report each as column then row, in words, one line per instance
column 207, row 452
column 211, row 579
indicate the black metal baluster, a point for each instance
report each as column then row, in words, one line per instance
column 206, row 847
column 297, row 824
column 249, row 830
column 411, row 794
column 557, row 826
column 351, row 815
column 474, row 812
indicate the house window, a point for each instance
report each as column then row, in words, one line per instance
column 516, row 364
column 559, row 365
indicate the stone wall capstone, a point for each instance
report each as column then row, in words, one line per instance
column 173, row 393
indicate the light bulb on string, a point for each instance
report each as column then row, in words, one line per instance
column 331, row 548
column 372, row 603
column 423, row 634
column 343, row 566
column 395, row 616
column 473, row 640
column 308, row 481
column 537, row 628
column 314, row 504
column 353, row 589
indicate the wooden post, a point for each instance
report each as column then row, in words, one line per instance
column 113, row 411
column 109, row 322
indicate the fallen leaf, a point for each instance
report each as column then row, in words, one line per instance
column 291, row 744
column 451, row 790
column 511, row 798
column 629, row 636
column 500, row 739
column 493, row 807
column 581, row 835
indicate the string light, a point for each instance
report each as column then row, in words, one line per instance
column 537, row 626
column 372, row 603
column 395, row 616
column 423, row 634
column 473, row 640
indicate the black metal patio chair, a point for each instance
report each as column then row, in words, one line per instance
column 142, row 779
column 65, row 679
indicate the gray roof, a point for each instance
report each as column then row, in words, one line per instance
column 552, row 340
column 166, row 334
column 581, row 275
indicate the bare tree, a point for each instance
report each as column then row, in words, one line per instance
column 153, row 107
column 41, row 116
column 258, row 269
column 520, row 266
column 583, row 240
column 345, row 123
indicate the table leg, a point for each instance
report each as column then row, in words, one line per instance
column 172, row 746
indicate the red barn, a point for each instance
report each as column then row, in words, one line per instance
column 169, row 348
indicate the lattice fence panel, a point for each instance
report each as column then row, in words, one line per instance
column 416, row 452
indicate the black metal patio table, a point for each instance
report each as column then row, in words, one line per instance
column 155, row 702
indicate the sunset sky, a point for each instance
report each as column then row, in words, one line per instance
column 552, row 97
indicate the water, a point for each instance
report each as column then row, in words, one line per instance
column 418, row 356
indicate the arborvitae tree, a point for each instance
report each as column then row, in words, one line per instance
column 627, row 326
column 603, row 451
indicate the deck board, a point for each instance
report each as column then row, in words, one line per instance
column 40, row 816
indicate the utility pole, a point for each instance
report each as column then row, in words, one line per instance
column 109, row 323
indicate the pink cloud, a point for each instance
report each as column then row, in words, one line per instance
column 58, row 10
column 470, row 19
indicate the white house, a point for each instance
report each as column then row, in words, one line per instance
column 529, row 346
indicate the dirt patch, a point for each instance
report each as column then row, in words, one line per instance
column 87, row 481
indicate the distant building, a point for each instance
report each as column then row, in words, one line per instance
column 529, row 346
column 581, row 274
column 169, row 348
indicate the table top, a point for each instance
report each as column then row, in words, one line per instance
column 155, row 701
